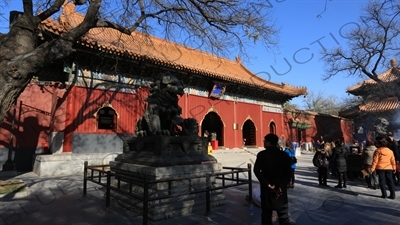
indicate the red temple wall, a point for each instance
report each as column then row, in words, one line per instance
column 44, row 109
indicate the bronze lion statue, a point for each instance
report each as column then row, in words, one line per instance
column 163, row 114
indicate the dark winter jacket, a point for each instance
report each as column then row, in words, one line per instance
column 392, row 145
column 273, row 166
column 340, row 157
column 323, row 156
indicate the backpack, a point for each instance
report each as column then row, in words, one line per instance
column 294, row 160
column 318, row 161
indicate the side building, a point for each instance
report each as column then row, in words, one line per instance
column 378, row 107
column 306, row 127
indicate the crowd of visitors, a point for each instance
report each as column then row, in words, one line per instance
column 276, row 170
column 380, row 160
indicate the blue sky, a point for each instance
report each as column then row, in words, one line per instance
column 303, row 36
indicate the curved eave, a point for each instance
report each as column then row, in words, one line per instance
column 390, row 75
column 383, row 106
column 278, row 88
column 353, row 111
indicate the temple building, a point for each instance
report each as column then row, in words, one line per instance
column 83, row 107
column 379, row 104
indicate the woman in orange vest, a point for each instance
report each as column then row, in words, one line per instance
column 385, row 165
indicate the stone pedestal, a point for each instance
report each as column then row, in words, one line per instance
column 164, row 157
column 179, row 201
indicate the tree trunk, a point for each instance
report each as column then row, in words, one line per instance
column 21, row 58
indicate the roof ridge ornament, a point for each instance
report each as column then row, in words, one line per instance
column 69, row 7
column 238, row 59
column 393, row 63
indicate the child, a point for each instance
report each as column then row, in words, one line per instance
column 292, row 154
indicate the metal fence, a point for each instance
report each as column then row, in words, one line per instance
column 101, row 175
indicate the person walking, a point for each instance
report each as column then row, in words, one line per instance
column 320, row 160
column 368, row 155
column 340, row 157
column 385, row 165
column 273, row 170
column 292, row 154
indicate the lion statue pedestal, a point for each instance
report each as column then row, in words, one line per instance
column 164, row 157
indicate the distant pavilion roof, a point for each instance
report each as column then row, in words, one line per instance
column 390, row 75
column 375, row 105
column 381, row 106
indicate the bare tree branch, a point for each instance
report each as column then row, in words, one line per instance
column 320, row 15
column 321, row 104
column 88, row 22
column 28, row 7
column 51, row 10
column 369, row 45
column 122, row 29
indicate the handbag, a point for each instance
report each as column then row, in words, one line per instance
column 398, row 167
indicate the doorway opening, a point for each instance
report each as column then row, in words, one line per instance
column 212, row 123
column 272, row 128
column 249, row 133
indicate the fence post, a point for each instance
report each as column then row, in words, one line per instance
column 145, row 201
column 108, row 188
column 250, row 183
column 85, row 164
column 208, row 201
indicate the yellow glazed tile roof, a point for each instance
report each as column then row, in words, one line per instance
column 387, row 104
column 373, row 106
column 164, row 53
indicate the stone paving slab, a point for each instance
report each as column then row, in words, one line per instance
column 58, row 200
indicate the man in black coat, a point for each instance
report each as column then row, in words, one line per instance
column 273, row 169
column 392, row 145
column 340, row 159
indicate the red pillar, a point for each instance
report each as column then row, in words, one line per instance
column 69, row 119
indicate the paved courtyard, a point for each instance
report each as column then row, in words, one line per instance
column 58, row 200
